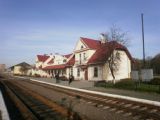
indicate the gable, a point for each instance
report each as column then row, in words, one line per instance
column 91, row 43
column 80, row 45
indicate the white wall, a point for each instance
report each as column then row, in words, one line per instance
column 81, row 77
column 42, row 73
column 78, row 50
column 88, row 54
column 38, row 63
column 59, row 59
column 124, row 70
column 79, row 44
column 75, row 73
column 17, row 70
column 91, row 73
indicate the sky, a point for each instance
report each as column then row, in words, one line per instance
column 31, row 27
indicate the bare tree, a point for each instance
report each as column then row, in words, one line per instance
column 114, row 36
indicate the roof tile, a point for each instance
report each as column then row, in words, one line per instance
column 104, row 51
column 93, row 44
column 42, row 58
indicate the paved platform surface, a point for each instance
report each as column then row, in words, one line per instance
column 77, row 84
column 89, row 85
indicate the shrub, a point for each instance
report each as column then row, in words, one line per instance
column 125, row 83
column 63, row 78
column 37, row 75
column 155, row 81
column 101, row 83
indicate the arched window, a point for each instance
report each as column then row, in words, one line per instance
column 95, row 72
column 81, row 46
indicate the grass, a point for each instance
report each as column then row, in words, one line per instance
column 128, row 84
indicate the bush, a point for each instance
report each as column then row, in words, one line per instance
column 63, row 78
column 125, row 84
column 155, row 81
column 37, row 75
column 101, row 83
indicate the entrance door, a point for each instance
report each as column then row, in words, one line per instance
column 86, row 74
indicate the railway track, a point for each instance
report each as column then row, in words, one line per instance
column 136, row 110
column 36, row 107
column 139, row 111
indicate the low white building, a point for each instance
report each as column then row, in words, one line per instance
column 89, row 61
column 21, row 69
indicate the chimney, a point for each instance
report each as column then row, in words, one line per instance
column 51, row 55
column 104, row 38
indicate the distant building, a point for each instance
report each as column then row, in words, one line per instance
column 21, row 69
column 2, row 67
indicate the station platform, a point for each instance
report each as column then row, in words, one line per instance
column 89, row 85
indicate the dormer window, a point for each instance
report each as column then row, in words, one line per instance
column 81, row 46
column 64, row 61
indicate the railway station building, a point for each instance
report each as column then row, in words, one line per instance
column 88, row 61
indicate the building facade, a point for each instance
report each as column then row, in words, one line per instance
column 21, row 69
column 89, row 61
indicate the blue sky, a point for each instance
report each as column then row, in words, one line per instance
column 31, row 27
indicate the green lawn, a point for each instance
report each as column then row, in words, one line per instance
column 131, row 85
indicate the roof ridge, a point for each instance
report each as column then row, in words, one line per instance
column 89, row 38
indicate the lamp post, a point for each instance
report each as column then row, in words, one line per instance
column 144, row 62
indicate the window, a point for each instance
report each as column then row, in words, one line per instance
column 71, row 71
column 84, row 56
column 78, row 72
column 81, row 46
column 80, row 58
column 95, row 72
column 118, row 55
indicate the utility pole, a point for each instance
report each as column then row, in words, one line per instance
column 144, row 62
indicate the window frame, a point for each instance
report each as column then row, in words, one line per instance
column 84, row 56
column 78, row 72
column 80, row 57
column 95, row 72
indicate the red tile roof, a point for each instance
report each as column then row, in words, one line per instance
column 55, row 67
column 93, row 44
column 103, row 52
column 68, row 55
column 42, row 58
column 51, row 61
column 71, row 61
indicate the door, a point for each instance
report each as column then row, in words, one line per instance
column 86, row 74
